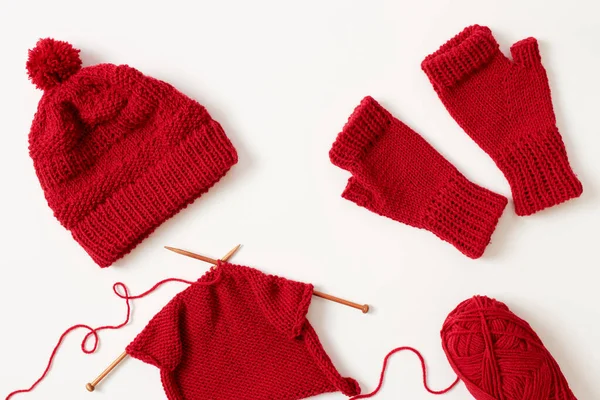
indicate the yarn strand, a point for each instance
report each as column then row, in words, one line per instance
column 423, row 367
column 122, row 292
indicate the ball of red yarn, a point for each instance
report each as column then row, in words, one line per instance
column 498, row 356
column 52, row 62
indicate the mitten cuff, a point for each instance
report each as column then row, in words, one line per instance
column 461, row 56
column 366, row 124
column 464, row 214
column 539, row 173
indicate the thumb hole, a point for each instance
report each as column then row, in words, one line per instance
column 526, row 52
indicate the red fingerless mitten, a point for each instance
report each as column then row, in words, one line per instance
column 506, row 108
column 397, row 174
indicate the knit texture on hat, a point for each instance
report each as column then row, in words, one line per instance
column 397, row 174
column 506, row 107
column 116, row 152
column 244, row 337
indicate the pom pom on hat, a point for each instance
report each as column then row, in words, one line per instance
column 52, row 62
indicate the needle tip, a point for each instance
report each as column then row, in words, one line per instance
column 231, row 253
column 175, row 250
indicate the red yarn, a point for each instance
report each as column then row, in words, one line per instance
column 423, row 367
column 506, row 108
column 246, row 337
column 93, row 332
column 397, row 174
column 498, row 355
column 116, row 152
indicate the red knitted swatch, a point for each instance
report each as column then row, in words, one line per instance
column 397, row 174
column 506, row 108
column 117, row 152
column 245, row 336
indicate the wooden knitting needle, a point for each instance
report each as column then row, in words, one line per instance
column 92, row 385
column 363, row 307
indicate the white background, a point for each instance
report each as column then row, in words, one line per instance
column 282, row 78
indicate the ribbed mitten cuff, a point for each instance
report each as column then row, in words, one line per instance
column 367, row 123
column 464, row 214
column 539, row 173
column 461, row 56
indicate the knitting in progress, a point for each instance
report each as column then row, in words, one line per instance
column 496, row 354
column 91, row 386
column 121, row 290
column 506, row 108
column 397, row 174
column 239, row 334
column 118, row 153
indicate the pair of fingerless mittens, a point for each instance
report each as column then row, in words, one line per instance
column 504, row 105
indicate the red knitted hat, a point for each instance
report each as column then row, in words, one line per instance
column 116, row 152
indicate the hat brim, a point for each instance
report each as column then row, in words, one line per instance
column 133, row 212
